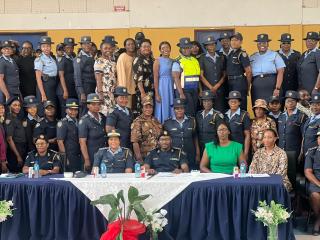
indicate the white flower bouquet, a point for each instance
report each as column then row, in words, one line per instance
column 271, row 216
column 6, row 208
column 155, row 221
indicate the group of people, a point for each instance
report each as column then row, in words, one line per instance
column 120, row 106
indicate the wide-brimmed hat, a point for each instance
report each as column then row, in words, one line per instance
column 315, row 98
column 184, row 42
column 85, row 39
column 263, row 37
column 147, row 100
column 207, row 95
column 68, row 41
column 261, row 103
column 110, row 40
column 93, row 98
column 286, row 37
column 237, row 35
column 312, row 35
column 234, row 95
column 120, row 91
column 45, row 40
column 292, row 94
column 209, row 40
column 30, row 101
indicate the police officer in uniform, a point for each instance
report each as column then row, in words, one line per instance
column 49, row 160
column 84, row 73
column 312, row 173
column 290, row 58
column 238, row 121
column 267, row 70
column 46, row 73
column 225, row 44
column 66, row 88
column 117, row 159
column 165, row 158
column 312, row 124
column 16, row 136
column 30, row 104
column 290, row 130
column 91, row 131
column 121, row 118
column 9, row 74
column 186, row 76
column 182, row 130
column 68, row 138
column 213, row 73
column 309, row 64
column 48, row 125
column 207, row 120
column 238, row 69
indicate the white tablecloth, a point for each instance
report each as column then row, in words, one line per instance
column 163, row 187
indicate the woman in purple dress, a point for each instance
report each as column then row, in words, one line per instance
column 163, row 83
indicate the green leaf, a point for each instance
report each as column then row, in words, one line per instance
column 133, row 193
column 140, row 211
column 113, row 215
column 143, row 197
column 120, row 196
column 107, row 199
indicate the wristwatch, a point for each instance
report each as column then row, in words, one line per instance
column 277, row 88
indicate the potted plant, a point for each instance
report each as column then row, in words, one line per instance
column 121, row 226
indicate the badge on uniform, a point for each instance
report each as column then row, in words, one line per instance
column 78, row 60
column 24, row 123
column 37, row 125
column 8, row 121
column 59, row 124
column 80, row 122
column 244, row 54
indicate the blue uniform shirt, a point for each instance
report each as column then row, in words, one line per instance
column 46, row 64
column 266, row 63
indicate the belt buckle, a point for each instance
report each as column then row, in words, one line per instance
column 261, row 75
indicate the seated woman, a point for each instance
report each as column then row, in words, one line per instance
column 270, row 158
column 49, row 161
column 222, row 156
column 312, row 173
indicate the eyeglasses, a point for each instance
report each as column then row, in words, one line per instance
column 40, row 144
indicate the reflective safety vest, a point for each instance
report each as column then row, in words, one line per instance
column 190, row 74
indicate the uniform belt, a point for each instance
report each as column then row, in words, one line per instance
column 265, row 75
column 232, row 77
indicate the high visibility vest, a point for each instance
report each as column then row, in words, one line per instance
column 190, row 74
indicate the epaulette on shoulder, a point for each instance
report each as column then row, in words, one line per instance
column 311, row 150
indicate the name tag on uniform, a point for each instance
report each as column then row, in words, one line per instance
column 155, row 159
column 190, row 128
column 174, row 159
column 238, row 123
column 121, row 160
column 174, row 129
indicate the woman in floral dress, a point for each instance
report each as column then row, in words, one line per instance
column 105, row 73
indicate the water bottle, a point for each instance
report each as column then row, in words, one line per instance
column 243, row 169
column 36, row 169
column 137, row 170
column 103, row 170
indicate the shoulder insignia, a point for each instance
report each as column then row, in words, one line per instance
column 8, row 121
column 311, row 149
column 59, row 124
column 24, row 123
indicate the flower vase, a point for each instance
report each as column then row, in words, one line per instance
column 273, row 232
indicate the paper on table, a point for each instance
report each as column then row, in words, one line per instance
column 259, row 175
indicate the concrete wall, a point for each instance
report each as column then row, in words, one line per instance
column 100, row 14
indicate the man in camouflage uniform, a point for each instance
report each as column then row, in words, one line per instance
column 145, row 131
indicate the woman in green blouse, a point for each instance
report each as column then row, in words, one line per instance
column 222, row 156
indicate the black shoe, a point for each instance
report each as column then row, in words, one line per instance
column 315, row 232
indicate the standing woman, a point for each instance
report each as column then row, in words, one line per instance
column 260, row 123
column 46, row 73
column 143, row 74
column 124, row 69
column 105, row 73
column 163, row 83
column 213, row 73
column 16, row 136
column 3, row 145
